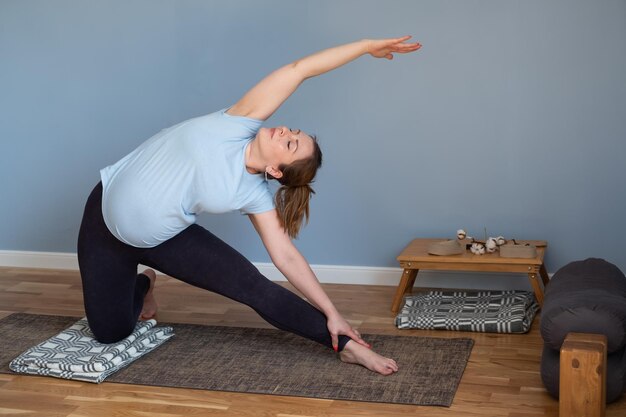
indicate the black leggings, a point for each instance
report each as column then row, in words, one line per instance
column 114, row 293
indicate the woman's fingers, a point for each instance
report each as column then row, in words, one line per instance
column 407, row 47
column 335, row 341
column 387, row 48
column 356, row 336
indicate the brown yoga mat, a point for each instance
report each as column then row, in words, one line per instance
column 267, row 361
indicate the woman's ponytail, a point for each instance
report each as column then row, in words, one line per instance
column 292, row 198
column 292, row 205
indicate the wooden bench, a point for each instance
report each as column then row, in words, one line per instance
column 415, row 257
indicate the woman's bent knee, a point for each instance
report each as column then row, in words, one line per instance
column 107, row 334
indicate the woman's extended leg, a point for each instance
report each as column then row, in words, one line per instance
column 113, row 292
column 198, row 257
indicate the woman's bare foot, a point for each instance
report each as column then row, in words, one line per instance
column 360, row 355
column 150, row 306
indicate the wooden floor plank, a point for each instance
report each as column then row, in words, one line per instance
column 501, row 380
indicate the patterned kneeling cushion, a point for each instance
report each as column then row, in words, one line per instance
column 585, row 297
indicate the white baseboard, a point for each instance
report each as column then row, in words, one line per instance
column 329, row 274
column 48, row 260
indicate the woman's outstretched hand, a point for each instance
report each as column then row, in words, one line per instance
column 385, row 48
column 337, row 325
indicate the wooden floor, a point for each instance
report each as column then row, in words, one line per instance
column 501, row 379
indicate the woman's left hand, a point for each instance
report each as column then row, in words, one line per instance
column 337, row 325
column 385, row 48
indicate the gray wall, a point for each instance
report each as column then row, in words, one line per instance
column 511, row 117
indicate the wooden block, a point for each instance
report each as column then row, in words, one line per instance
column 582, row 386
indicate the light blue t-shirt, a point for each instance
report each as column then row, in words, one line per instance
column 156, row 191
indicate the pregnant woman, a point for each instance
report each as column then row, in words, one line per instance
column 144, row 211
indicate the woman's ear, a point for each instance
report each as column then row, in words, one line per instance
column 276, row 173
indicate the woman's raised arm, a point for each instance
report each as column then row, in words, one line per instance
column 268, row 95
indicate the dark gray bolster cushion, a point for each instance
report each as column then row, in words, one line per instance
column 585, row 297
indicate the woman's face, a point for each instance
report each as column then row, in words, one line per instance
column 282, row 146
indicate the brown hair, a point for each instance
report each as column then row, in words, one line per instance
column 292, row 198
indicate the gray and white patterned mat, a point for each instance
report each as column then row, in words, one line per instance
column 474, row 311
column 76, row 354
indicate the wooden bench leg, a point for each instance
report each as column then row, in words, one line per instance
column 537, row 287
column 582, row 385
column 406, row 285
column 544, row 275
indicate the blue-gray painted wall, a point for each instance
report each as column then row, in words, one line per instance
column 511, row 117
